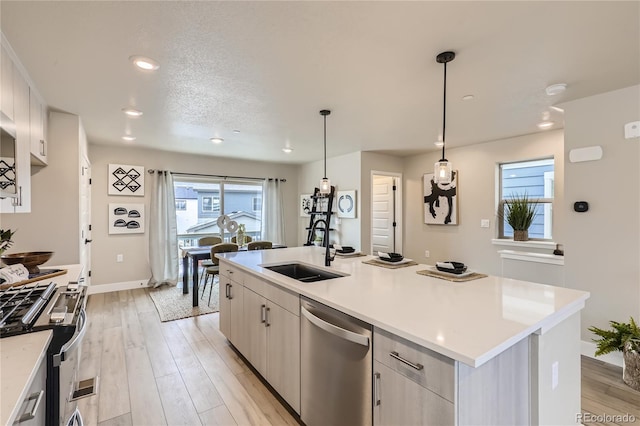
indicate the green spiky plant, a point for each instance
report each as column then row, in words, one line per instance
column 618, row 337
column 5, row 239
column 520, row 211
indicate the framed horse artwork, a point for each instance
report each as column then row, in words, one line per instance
column 440, row 200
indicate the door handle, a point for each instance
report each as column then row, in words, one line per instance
column 230, row 287
column 226, row 291
column 335, row 330
column 263, row 313
column 376, row 388
column 266, row 317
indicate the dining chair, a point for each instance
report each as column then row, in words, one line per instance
column 259, row 245
column 209, row 240
column 214, row 270
column 247, row 239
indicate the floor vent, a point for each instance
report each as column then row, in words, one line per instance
column 85, row 388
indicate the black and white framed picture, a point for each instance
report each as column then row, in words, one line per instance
column 305, row 204
column 126, row 180
column 440, row 201
column 347, row 204
column 126, row 218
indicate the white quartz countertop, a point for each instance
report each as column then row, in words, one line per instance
column 471, row 321
column 20, row 357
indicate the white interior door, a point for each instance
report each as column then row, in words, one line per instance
column 383, row 214
column 85, row 219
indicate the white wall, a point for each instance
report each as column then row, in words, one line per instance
column 477, row 166
column 134, row 247
column 344, row 173
column 602, row 247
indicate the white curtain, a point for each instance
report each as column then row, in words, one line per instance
column 163, row 234
column 272, row 211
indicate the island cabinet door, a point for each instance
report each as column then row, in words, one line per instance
column 255, row 330
column 398, row 400
column 225, row 306
column 236, row 318
column 283, row 353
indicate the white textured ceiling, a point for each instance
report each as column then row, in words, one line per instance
column 267, row 68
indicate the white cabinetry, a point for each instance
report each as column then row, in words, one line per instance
column 6, row 84
column 412, row 385
column 262, row 321
column 21, row 204
column 38, row 126
column 231, row 305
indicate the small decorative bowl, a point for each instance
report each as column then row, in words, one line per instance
column 30, row 259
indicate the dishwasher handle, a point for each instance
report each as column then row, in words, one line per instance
column 335, row 330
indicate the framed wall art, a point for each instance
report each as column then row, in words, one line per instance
column 305, row 204
column 126, row 180
column 347, row 204
column 440, row 201
column 126, row 218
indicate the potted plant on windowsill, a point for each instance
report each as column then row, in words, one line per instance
column 519, row 212
column 624, row 337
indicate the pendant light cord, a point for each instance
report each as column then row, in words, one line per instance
column 325, row 147
column 444, row 111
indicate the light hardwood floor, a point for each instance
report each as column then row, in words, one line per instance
column 185, row 373
column 178, row 373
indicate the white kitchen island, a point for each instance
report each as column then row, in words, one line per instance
column 513, row 347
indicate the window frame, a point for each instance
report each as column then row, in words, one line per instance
column 546, row 202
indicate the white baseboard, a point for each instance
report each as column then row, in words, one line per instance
column 589, row 349
column 108, row 288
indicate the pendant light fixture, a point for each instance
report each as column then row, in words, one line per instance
column 325, row 183
column 443, row 168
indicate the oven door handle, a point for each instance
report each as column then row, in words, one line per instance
column 69, row 346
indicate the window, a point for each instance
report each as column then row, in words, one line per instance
column 535, row 178
column 257, row 204
column 201, row 200
column 211, row 204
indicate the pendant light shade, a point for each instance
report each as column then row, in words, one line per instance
column 325, row 183
column 442, row 171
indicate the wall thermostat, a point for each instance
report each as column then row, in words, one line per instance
column 581, row 206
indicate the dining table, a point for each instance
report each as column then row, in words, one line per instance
column 193, row 255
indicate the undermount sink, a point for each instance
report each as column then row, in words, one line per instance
column 303, row 273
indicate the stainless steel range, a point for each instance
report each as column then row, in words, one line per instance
column 36, row 307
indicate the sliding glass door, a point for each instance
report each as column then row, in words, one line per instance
column 200, row 201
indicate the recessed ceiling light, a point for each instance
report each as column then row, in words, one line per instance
column 132, row 112
column 144, row 63
column 468, row 97
column 236, row 131
column 287, row 150
column 556, row 89
column 545, row 125
column 216, row 140
column 129, row 138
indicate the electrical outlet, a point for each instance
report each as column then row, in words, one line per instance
column 119, row 258
column 426, row 253
column 484, row 223
column 554, row 375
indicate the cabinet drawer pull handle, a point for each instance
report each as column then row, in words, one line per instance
column 266, row 317
column 395, row 355
column 230, row 287
column 263, row 313
column 34, row 410
column 42, row 151
column 376, row 388
column 226, row 290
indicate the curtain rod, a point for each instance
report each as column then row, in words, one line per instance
column 152, row 171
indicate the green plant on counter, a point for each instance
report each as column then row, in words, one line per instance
column 620, row 336
column 5, row 239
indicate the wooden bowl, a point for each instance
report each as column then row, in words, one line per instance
column 30, row 259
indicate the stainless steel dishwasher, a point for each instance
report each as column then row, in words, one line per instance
column 336, row 367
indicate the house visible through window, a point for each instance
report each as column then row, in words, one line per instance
column 210, row 204
column 181, row 204
column 535, row 179
column 257, row 204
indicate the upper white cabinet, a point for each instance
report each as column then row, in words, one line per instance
column 38, row 127
column 6, row 87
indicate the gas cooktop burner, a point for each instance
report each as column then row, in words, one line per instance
column 21, row 306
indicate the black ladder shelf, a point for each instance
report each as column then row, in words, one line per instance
column 317, row 212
